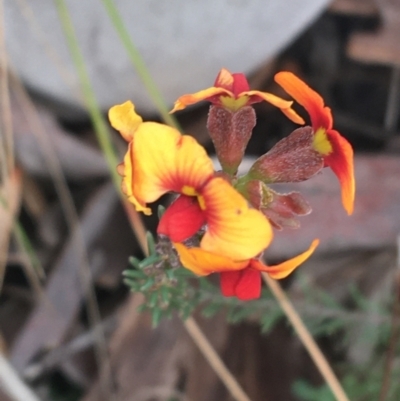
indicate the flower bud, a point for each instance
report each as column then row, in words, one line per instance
column 280, row 209
column 230, row 132
column 292, row 159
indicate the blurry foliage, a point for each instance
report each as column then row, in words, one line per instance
column 360, row 384
column 168, row 288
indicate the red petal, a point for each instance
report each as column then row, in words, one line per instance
column 245, row 284
column 240, row 84
column 182, row 219
column 228, row 281
column 342, row 163
column 320, row 115
column 249, row 285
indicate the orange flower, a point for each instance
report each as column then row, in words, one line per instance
column 160, row 160
column 240, row 278
column 231, row 91
column 335, row 150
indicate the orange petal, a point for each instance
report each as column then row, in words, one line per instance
column 293, row 116
column 320, row 115
column 124, row 119
column 234, row 230
column 163, row 160
column 284, row 269
column 284, row 105
column 202, row 262
column 341, row 161
column 187, row 100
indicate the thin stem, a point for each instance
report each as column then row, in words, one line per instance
column 191, row 326
column 306, row 338
column 214, row 360
column 394, row 332
column 139, row 63
column 12, row 385
column 5, row 107
column 71, row 215
column 97, row 118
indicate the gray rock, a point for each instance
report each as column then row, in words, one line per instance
column 184, row 44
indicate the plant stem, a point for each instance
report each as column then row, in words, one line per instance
column 307, row 339
column 139, row 63
column 102, row 133
column 214, row 360
column 97, row 118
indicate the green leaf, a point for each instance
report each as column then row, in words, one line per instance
column 160, row 211
column 150, row 243
column 156, row 315
column 138, row 274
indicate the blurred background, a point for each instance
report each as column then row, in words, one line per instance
column 69, row 328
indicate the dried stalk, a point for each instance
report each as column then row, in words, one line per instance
column 215, row 361
column 307, row 339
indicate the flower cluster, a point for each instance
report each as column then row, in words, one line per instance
column 220, row 222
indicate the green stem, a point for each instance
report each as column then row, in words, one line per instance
column 139, row 64
column 97, row 118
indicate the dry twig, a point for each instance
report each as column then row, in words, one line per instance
column 307, row 339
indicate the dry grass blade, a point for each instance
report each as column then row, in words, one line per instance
column 73, row 223
column 394, row 332
column 6, row 143
column 66, row 76
column 215, row 361
column 10, row 197
column 12, row 385
column 306, row 338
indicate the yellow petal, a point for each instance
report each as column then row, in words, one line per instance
column 187, row 100
column 234, row 229
column 163, row 160
column 284, row 105
column 224, row 79
column 202, row 262
column 284, row 269
column 126, row 170
column 124, row 119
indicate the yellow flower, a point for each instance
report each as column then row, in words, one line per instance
column 160, row 160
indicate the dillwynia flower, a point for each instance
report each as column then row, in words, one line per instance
column 231, row 91
column 161, row 160
column 240, row 278
column 233, row 235
column 231, row 118
column 334, row 149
